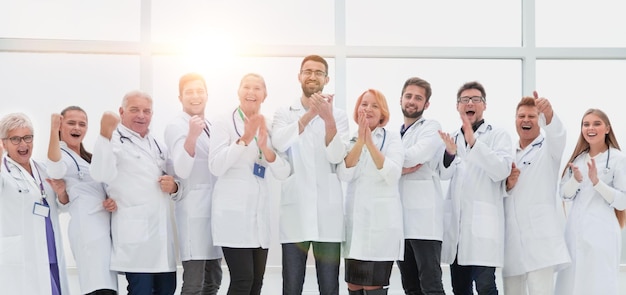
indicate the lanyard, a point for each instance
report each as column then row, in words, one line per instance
column 238, row 110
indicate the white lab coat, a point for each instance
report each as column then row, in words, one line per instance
column 374, row 229
column 24, row 264
column 474, row 209
column 311, row 204
column 241, row 201
column 193, row 206
column 89, row 229
column 422, row 197
column 533, row 227
column 592, row 233
column 141, row 227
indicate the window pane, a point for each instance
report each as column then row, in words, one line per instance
column 603, row 90
column 599, row 23
column 70, row 19
column 273, row 22
column 40, row 84
column 433, row 23
column 280, row 76
column 501, row 79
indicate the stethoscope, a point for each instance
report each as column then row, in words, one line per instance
column 239, row 134
column 235, row 124
column 81, row 175
column 384, row 139
column 457, row 135
column 416, row 123
column 124, row 137
column 23, row 177
column 606, row 166
column 532, row 147
column 206, row 129
column 608, row 158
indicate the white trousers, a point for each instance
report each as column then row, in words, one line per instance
column 538, row 282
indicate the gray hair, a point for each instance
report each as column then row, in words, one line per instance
column 135, row 93
column 13, row 121
column 255, row 75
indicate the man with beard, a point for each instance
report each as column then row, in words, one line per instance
column 314, row 136
column 477, row 160
column 420, row 189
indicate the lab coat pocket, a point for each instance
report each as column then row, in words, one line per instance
column 132, row 225
column 11, row 251
column 543, row 222
column 418, row 194
column 485, row 220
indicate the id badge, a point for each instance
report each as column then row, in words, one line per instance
column 41, row 210
column 259, row 170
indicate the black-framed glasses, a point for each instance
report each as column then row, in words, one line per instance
column 466, row 99
column 308, row 73
column 17, row 139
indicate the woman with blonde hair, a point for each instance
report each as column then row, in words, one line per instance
column 374, row 223
column 595, row 183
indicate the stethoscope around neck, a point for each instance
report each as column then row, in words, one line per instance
column 532, row 147
column 22, row 176
column 606, row 166
column 608, row 158
column 80, row 173
column 124, row 138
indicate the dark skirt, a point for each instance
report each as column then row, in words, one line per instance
column 368, row 273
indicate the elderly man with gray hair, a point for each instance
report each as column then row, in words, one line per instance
column 137, row 171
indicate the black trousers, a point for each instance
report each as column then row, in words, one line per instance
column 421, row 268
column 247, row 268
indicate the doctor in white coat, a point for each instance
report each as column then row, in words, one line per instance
column 31, row 248
column 535, row 244
column 595, row 183
column 187, row 138
column 420, row 189
column 133, row 165
column 242, row 158
column 477, row 161
column 89, row 228
column 314, row 135
column 372, row 168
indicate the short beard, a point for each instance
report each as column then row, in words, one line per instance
column 307, row 92
column 415, row 115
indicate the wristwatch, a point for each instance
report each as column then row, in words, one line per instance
column 241, row 142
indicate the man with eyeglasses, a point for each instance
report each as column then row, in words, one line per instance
column 420, row 189
column 314, row 136
column 477, row 160
column 187, row 136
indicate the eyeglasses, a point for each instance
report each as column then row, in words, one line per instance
column 308, row 73
column 16, row 139
column 466, row 99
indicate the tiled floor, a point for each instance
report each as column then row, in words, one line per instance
column 273, row 281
